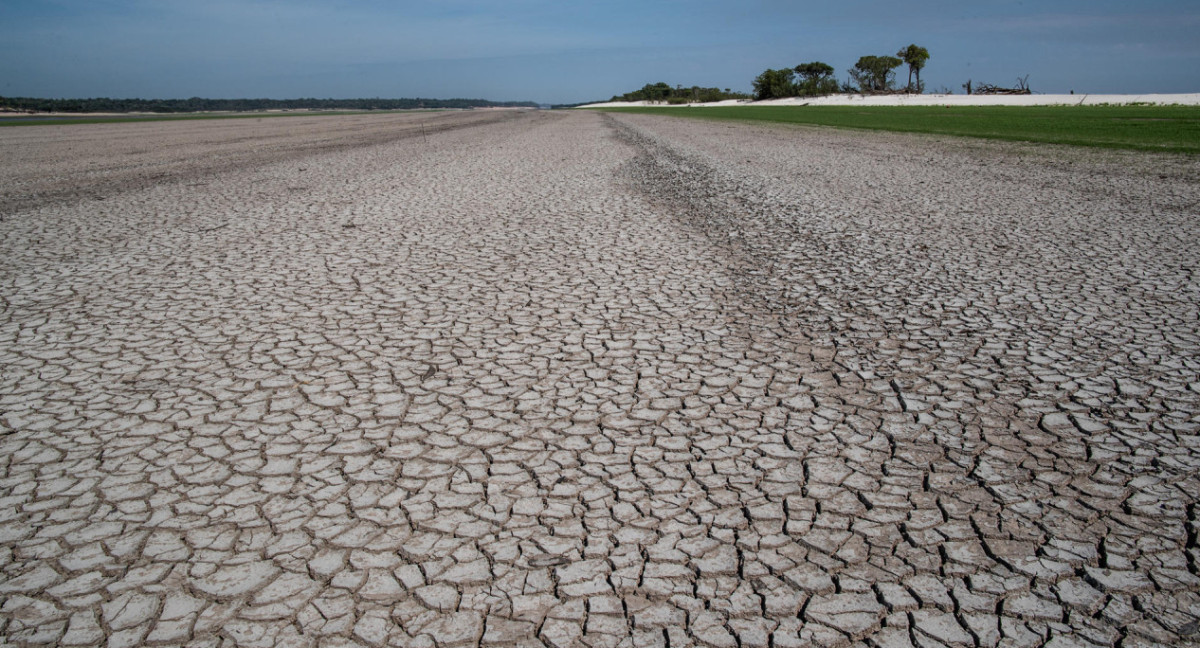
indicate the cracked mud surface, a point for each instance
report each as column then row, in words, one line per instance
column 569, row 379
column 94, row 161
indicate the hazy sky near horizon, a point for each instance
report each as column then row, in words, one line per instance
column 569, row 51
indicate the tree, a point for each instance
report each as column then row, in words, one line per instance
column 657, row 92
column 814, row 70
column 915, row 57
column 774, row 84
column 818, row 78
column 875, row 73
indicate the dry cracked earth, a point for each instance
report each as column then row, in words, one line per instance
column 572, row 379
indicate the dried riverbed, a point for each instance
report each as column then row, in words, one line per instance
column 532, row 378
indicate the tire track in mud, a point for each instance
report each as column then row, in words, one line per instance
column 992, row 451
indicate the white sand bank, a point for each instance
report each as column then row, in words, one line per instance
column 940, row 100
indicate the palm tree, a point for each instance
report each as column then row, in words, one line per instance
column 915, row 57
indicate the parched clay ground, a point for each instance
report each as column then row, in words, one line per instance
column 43, row 165
column 569, row 379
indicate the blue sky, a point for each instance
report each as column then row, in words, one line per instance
column 569, row 51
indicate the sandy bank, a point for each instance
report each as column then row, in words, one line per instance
column 941, row 100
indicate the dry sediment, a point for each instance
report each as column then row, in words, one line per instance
column 43, row 165
column 568, row 379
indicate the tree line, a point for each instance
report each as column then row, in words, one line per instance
column 870, row 75
column 662, row 92
column 197, row 104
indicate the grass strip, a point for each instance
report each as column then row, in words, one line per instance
column 1174, row 129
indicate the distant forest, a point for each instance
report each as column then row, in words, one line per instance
column 679, row 95
column 196, row 104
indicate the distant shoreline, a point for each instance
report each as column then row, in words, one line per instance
column 14, row 119
column 238, row 105
column 7, row 112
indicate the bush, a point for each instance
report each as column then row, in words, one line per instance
column 775, row 84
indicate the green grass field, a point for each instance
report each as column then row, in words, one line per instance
column 58, row 120
column 1174, row 129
